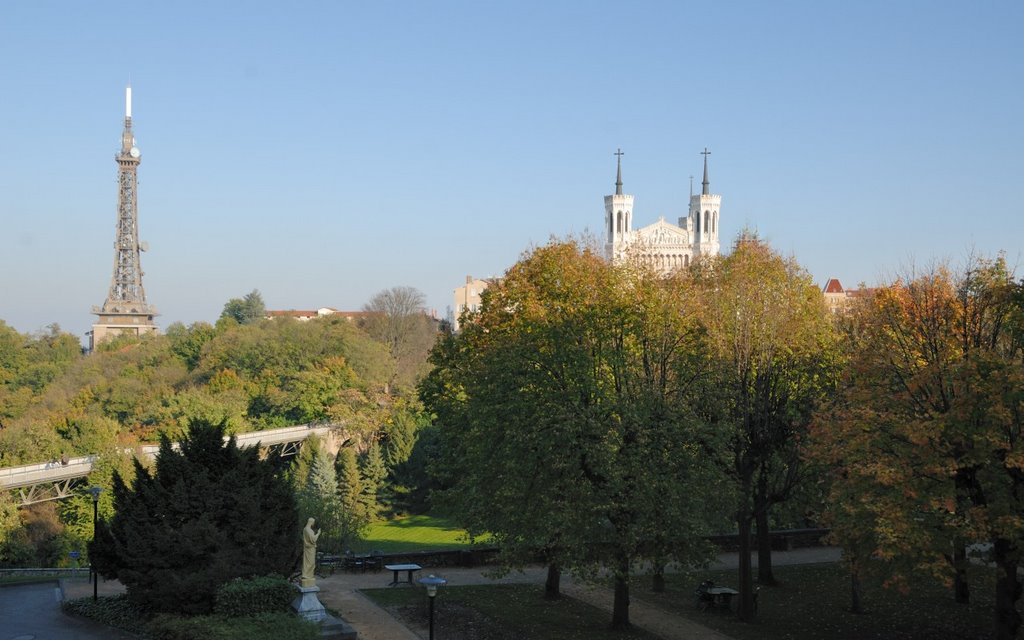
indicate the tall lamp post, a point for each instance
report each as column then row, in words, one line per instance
column 95, row 491
column 432, row 582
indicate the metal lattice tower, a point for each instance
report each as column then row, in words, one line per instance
column 125, row 310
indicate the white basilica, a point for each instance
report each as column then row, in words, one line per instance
column 663, row 245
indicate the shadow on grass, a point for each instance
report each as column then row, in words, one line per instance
column 502, row 612
column 812, row 602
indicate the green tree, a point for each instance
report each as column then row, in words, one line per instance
column 187, row 343
column 564, row 412
column 208, row 513
column 374, row 475
column 350, row 486
column 246, row 310
column 775, row 358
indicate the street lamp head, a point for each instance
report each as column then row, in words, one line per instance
column 432, row 582
column 95, row 491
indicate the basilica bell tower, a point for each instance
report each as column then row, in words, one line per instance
column 618, row 215
column 125, row 310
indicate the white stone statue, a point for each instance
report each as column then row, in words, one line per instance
column 309, row 553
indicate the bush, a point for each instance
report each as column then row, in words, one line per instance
column 113, row 611
column 208, row 513
column 265, row 594
column 266, row 626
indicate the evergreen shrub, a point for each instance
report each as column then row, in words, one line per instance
column 266, row 626
column 207, row 513
column 249, row 597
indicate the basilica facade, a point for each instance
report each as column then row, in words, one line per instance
column 662, row 245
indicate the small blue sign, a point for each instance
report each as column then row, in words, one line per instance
column 74, row 554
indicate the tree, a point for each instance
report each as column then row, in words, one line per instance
column 246, row 310
column 374, row 474
column 564, row 413
column 209, row 512
column 319, row 497
column 350, row 486
column 775, row 358
column 396, row 318
column 929, row 427
column 187, row 343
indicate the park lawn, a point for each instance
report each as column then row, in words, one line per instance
column 812, row 602
column 413, row 533
column 501, row 612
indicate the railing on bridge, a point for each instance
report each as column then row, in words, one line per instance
column 56, row 479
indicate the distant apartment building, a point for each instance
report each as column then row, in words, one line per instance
column 839, row 299
column 467, row 297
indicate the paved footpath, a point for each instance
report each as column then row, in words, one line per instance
column 32, row 612
column 340, row 592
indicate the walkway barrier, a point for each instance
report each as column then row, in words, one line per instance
column 782, row 539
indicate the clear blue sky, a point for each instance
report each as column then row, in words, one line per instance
column 321, row 152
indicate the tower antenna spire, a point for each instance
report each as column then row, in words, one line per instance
column 706, row 185
column 618, row 174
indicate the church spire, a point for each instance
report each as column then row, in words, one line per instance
column 618, row 175
column 707, row 185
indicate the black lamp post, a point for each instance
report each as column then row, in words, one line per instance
column 432, row 582
column 95, row 491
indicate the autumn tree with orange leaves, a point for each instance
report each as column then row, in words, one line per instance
column 925, row 436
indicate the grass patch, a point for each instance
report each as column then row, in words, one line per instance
column 413, row 533
column 812, row 602
column 502, row 612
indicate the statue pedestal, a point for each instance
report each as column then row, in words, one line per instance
column 307, row 605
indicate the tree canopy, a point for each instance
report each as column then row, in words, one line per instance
column 926, row 433
column 245, row 310
column 563, row 411
column 208, row 512
column 396, row 317
column 775, row 359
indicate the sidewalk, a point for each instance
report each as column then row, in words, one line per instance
column 340, row 592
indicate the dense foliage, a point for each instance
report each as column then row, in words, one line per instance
column 775, row 359
column 120, row 613
column 56, row 402
column 208, row 513
column 564, row 409
column 926, row 437
column 249, row 597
